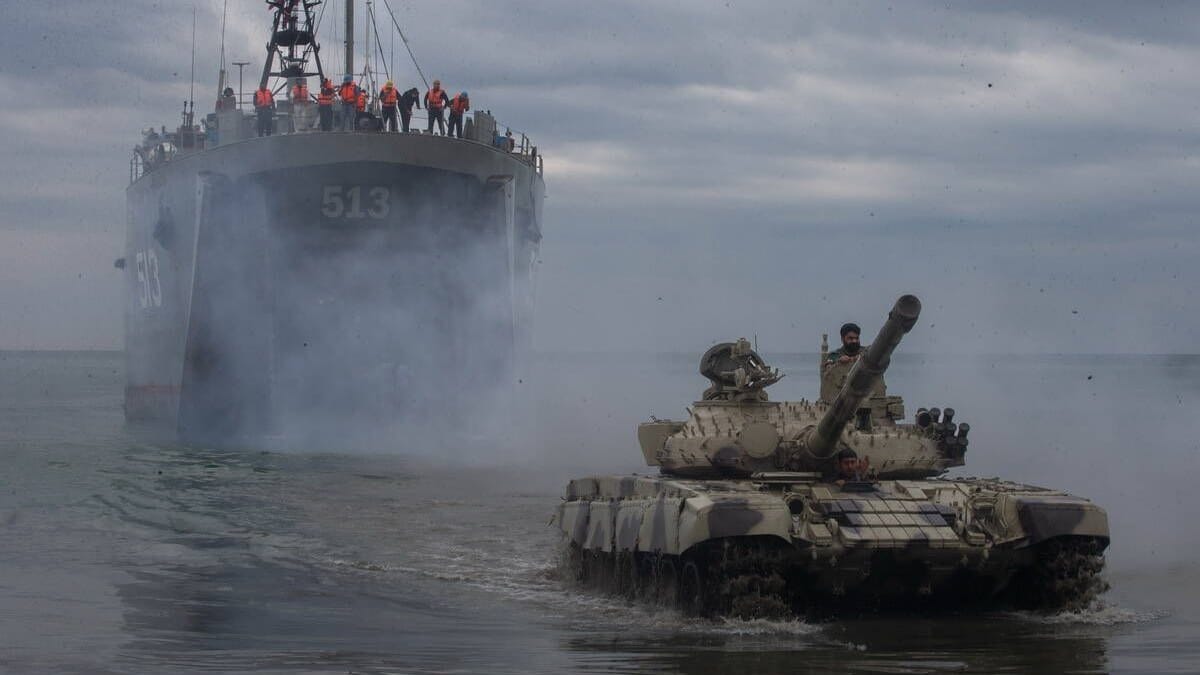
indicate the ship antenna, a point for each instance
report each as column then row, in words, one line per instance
column 221, row 68
column 350, row 37
column 405, row 40
column 187, row 114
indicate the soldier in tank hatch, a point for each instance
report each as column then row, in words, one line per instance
column 851, row 348
column 849, row 467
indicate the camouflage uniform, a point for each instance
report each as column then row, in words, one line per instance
column 840, row 352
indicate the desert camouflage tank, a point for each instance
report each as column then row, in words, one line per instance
column 748, row 517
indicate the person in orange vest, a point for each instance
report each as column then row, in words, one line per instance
column 264, row 107
column 325, row 106
column 301, row 106
column 348, row 92
column 360, row 108
column 458, row 105
column 389, row 98
column 435, row 101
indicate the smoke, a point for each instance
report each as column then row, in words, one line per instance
column 364, row 306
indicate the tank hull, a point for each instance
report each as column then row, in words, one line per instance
column 332, row 284
column 739, row 546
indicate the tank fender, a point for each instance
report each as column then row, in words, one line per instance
column 660, row 526
column 1035, row 518
column 573, row 518
column 629, row 519
column 704, row 518
column 600, row 526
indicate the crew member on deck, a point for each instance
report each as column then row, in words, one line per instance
column 360, row 108
column 407, row 101
column 325, row 106
column 227, row 101
column 435, row 101
column 264, row 108
column 458, row 106
column 389, row 98
column 349, row 95
column 301, row 106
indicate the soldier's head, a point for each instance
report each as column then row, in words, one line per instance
column 847, row 464
column 850, row 333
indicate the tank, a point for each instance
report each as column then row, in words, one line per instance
column 752, row 513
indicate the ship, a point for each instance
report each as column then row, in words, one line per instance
column 315, row 284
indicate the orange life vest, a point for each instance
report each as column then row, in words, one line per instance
column 459, row 105
column 300, row 93
column 361, row 106
column 263, row 98
column 348, row 92
column 325, row 98
column 433, row 99
column 389, row 96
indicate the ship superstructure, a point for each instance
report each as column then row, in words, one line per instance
column 324, row 281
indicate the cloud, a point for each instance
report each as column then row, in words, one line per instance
column 771, row 163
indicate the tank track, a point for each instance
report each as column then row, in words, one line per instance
column 725, row 578
column 1066, row 576
column 752, row 579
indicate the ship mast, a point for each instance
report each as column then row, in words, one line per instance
column 293, row 38
column 350, row 37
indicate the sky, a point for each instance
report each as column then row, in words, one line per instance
column 713, row 169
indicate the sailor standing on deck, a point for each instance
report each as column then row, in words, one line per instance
column 435, row 100
column 301, row 106
column 264, row 107
column 389, row 98
column 349, row 95
column 458, row 106
column 361, row 108
column 325, row 106
column 407, row 101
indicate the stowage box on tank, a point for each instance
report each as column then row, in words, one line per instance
column 750, row 516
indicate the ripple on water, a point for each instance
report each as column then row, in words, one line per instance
column 1100, row 613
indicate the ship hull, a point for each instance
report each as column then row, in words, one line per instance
column 327, row 285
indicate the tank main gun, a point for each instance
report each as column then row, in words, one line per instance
column 859, row 382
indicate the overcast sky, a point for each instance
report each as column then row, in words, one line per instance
column 1029, row 169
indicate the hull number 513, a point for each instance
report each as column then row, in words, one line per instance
column 339, row 201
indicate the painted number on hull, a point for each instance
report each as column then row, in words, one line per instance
column 339, row 201
column 149, row 287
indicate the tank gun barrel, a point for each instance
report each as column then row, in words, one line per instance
column 862, row 376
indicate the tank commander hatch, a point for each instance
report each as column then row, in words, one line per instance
column 851, row 348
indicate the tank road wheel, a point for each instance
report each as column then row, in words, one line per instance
column 666, row 582
column 693, row 594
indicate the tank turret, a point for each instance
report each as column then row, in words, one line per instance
column 734, row 430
